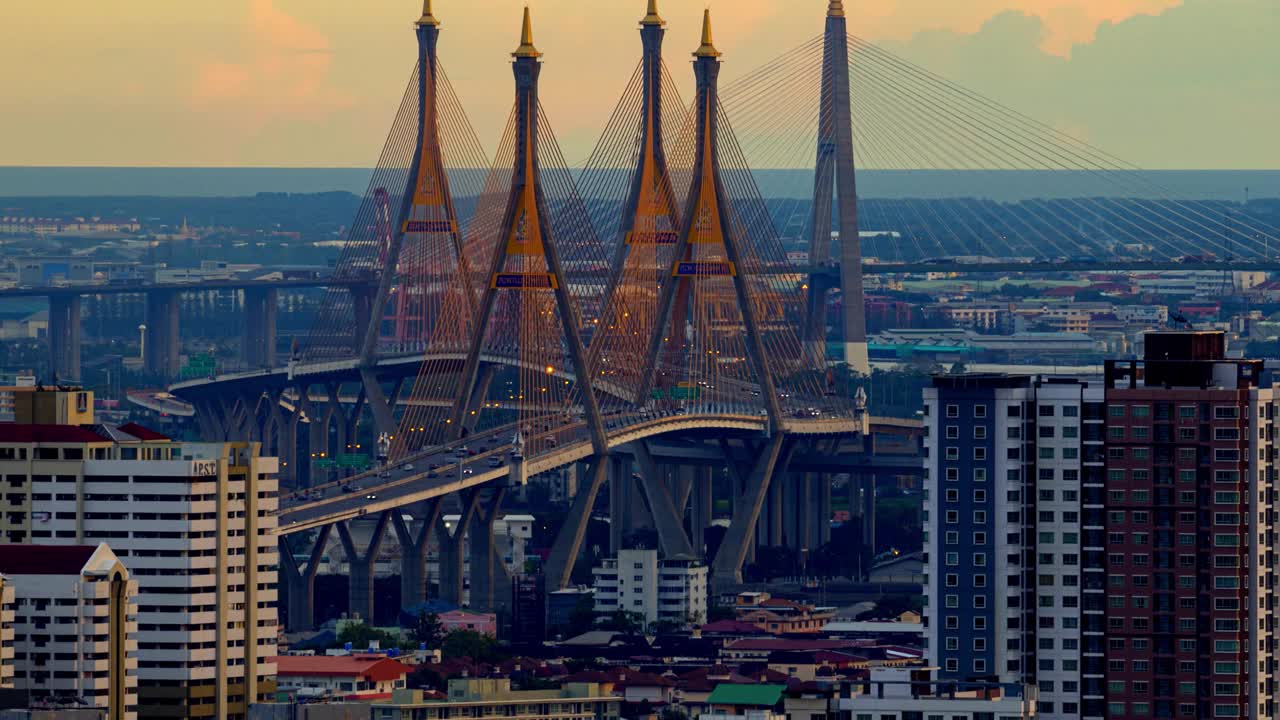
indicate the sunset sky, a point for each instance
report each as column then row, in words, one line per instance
column 315, row 83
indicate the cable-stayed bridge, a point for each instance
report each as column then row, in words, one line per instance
column 543, row 332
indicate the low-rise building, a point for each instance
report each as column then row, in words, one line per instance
column 463, row 619
column 350, row 677
column 777, row 616
column 759, row 701
column 668, row 590
column 897, row 694
column 74, row 626
column 494, row 698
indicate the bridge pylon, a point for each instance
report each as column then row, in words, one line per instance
column 525, row 308
column 407, row 285
column 707, row 274
column 835, row 188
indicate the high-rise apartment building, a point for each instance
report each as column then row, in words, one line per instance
column 74, row 627
column 1109, row 539
column 8, row 615
column 667, row 590
column 193, row 523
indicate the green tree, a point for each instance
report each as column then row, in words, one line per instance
column 428, row 630
column 469, row 643
column 623, row 622
column 362, row 636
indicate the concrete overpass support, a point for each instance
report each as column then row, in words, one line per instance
column 772, row 461
column 413, row 551
column 64, row 337
column 568, row 545
column 300, row 581
column 360, row 564
column 702, row 507
column 362, row 302
column 258, row 342
column 823, row 508
column 452, row 578
column 162, row 337
column 620, row 490
column 671, row 536
column 488, row 573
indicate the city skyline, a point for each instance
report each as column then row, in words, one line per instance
column 285, row 83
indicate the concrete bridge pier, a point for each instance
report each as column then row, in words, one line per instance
column 300, row 581
column 621, row 520
column 702, row 508
column 360, row 564
column 672, row 540
column 413, row 551
column 488, row 573
column 568, row 544
column 862, row 505
column 770, row 464
column 64, row 337
column 162, row 338
column 452, row 578
column 258, row 340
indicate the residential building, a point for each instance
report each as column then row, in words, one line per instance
column 464, row 619
column 494, row 698
column 350, row 677
column 757, row 701
column 1190, row 555
column 898, row 694
column 73, row 614
column 8, row 615
column 1003, row 484
column 1105, row 540
column 529, row 608
column 668, row 590
column 194, row 522
column 777, row 616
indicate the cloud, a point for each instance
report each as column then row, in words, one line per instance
column 1063, row 23
column 1193, row 87
column 285, row 71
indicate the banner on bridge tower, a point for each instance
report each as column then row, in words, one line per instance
column 653, row 238
column 524, row 281
column 704, row 269
column 428, row 226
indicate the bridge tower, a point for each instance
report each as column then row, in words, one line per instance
column 422, row 242
column 526, row 292
column 835, row 183
column 710, row 249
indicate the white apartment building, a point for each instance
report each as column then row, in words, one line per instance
column 667, row 590
column 74, row 626
column 1004, row 486
column 195, row 525
column 8, row 605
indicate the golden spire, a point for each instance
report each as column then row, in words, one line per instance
column 526, row 49
column 653, row 18
column 427, row 18
column 708, row 48
column 835, row 9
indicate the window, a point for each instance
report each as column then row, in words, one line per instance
column 979, row 432
column 979, row 453
column 979, row 475
column 1046, row 411
column 953, row 411
column 1115, row 411
column 953, row 432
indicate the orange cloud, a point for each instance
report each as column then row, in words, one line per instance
column 285, row 71
column 1066, row 22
